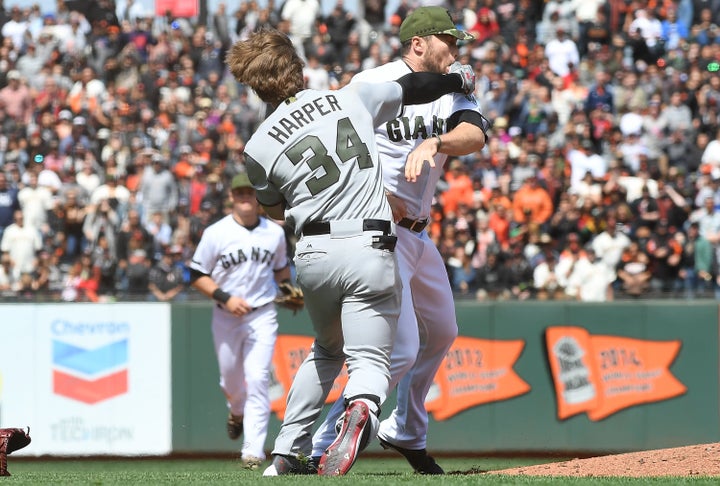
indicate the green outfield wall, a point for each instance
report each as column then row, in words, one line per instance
column 624, row 336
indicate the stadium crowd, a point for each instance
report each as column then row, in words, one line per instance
column 121, row 131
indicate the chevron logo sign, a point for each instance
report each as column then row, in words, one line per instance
column 90, row 375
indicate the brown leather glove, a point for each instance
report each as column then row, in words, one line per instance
column 290, row 297
column 10, row 441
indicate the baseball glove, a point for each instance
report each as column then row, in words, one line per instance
column 10, row 441
column 290, row 297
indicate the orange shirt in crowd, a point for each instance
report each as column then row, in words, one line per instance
column 460, row 190
column 501, row 226
column 132, row 181
column 498, row 198
column 533, row 198
column 183, row 168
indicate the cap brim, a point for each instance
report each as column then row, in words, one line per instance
column 459, row 34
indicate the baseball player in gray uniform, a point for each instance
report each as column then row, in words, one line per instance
column 413, row 149
column 238, row 263
column 314, row 162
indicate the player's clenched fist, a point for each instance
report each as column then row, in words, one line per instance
column 467, row 73
column 238, row 306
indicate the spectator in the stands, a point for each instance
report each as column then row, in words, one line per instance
column 21, row 242
column 8, row 203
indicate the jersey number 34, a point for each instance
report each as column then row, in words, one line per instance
column 348, row 146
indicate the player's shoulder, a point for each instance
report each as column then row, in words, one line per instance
column 220, row 225
column 386, row 72
column 271, row 225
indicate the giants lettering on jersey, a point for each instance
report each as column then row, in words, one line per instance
column 403, row 128
column 236, row 258
column 303, row 116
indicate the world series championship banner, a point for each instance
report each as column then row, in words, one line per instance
column 601, row 375
column 474, row 372
column 290, row 352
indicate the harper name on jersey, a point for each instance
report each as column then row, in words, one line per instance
column 301, row 117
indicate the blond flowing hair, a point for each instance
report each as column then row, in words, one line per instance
column 268, row 63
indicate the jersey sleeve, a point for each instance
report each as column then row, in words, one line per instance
column 465, row 102
column 205, row 255
column 267, row 194
column 382, row 100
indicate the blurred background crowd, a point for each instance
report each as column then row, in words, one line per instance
column 121, row 129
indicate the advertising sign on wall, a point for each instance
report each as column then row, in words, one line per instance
column 89, row 379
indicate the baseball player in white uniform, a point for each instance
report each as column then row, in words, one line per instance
column 413, row 149
column 314, row 162
column 238, row 263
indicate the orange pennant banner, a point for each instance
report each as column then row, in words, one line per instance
column 573, row 370
column 475, row 371
column 290, row 352
column 601, row 375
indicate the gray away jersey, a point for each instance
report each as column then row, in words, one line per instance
column 318, row 153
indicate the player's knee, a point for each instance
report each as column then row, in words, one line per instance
column 257, row 380
column 442, row 335
column 400, row 364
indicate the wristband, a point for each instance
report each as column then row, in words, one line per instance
column 439, row 141
column 221, row 296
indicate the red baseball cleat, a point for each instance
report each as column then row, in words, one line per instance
column 341, row 454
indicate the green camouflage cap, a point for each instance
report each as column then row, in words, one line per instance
column 239, row 181
column 430, row 21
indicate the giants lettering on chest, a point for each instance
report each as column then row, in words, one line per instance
column 304, row 115
column 239, row 256
column 405, row 128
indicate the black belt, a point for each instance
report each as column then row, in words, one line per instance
column 323, row 227
column 416, row 225
column 253, row 309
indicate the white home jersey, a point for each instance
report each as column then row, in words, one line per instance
column 242, row 261
column 331, row 176
column 398, row 137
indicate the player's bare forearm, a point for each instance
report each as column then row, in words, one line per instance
column 283, row 274
column 205, row 285
column 464, row 139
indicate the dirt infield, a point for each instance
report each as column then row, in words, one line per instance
column 696, row 460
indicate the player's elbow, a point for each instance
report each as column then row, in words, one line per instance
column 275, row 212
